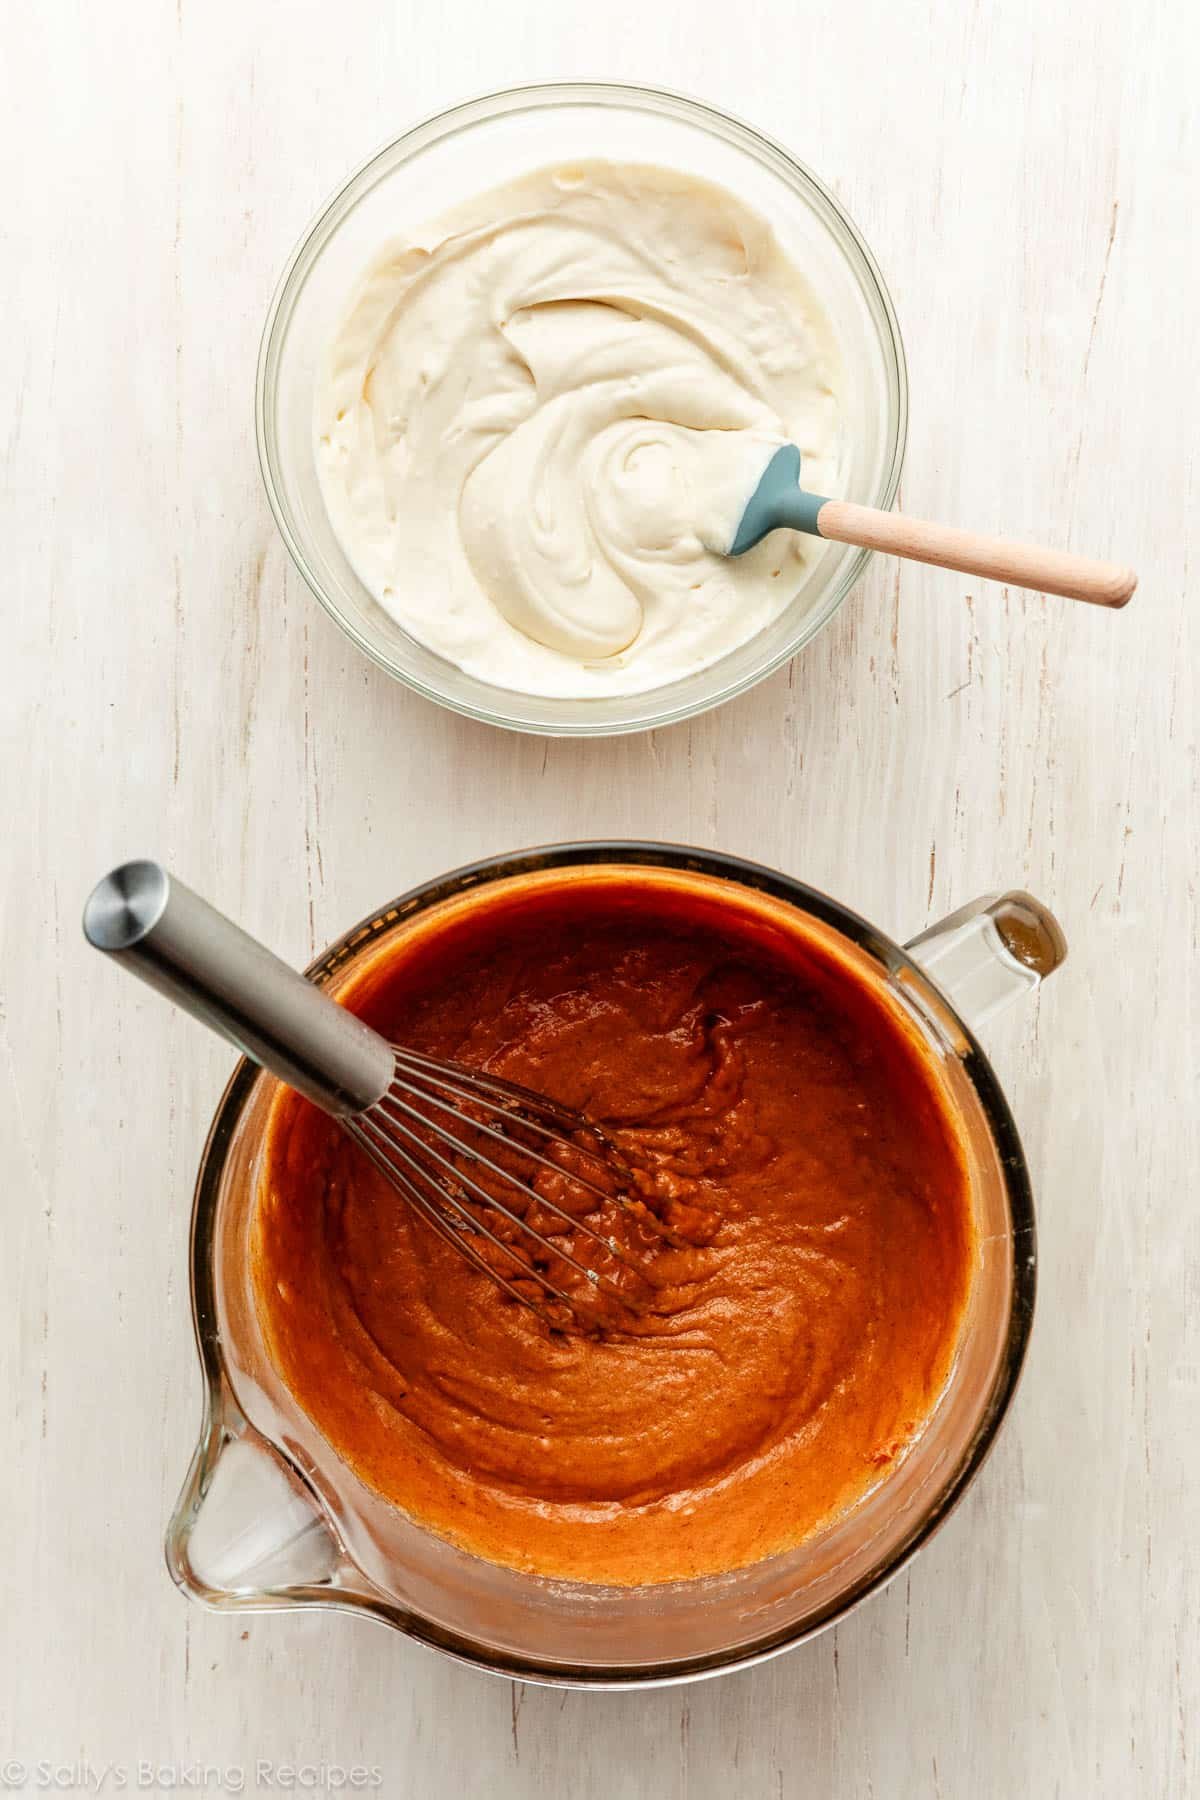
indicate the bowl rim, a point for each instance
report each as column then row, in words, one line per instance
column 219, row 1403
column 446, row 122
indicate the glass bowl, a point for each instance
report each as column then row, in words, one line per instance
column 271, row 1518
column 481, row 144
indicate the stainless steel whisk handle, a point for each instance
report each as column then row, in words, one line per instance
column 176, row 942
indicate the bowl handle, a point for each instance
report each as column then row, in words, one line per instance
column 247, row 1532
column 989, row 953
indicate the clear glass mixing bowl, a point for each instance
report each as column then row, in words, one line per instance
column 479, row 145
column 270, row 1517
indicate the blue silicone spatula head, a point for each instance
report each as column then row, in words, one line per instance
column 777, row 501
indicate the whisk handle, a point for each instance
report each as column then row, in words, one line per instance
column 159, row 929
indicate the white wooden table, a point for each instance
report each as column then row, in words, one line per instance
column 1027, row 177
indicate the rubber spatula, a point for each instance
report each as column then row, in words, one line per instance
column 779, row 501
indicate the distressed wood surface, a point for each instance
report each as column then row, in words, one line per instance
column 1026, row 176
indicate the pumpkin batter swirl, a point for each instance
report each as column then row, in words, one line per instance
column 792, row 1136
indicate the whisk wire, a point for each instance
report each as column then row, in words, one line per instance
column 388, row 1149
column 388, row 1105
column 477, row 1082
column 569, row 1122
column 457, row 1238
column 485, row 1199
column 564, row 1125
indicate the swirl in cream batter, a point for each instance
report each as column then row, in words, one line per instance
column 540, row 413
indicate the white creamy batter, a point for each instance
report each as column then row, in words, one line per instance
column 539, row 411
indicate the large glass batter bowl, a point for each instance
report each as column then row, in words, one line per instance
column 464, row 152
column 270, row 1516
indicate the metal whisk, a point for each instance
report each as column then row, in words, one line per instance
column 528, row 1191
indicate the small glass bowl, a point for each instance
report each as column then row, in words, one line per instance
column 483, row 144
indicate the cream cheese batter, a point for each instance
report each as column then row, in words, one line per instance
column 542, row 416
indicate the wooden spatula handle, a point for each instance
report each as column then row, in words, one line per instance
column 997, row 559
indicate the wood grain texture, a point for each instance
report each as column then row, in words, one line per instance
column 169, row 688
column 995, row 559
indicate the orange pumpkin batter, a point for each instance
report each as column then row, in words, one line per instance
column 804, row 1320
